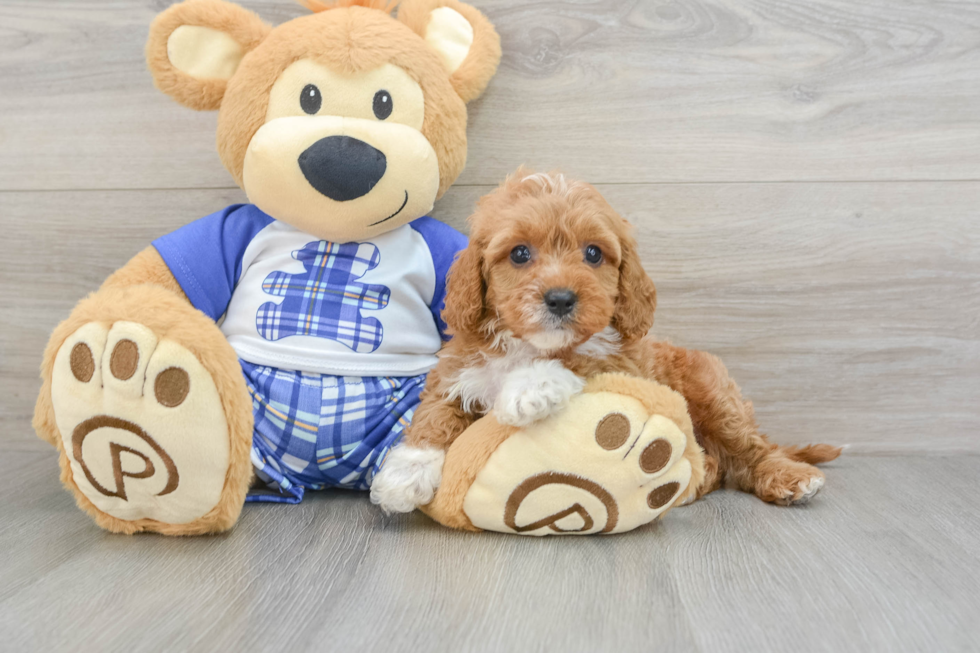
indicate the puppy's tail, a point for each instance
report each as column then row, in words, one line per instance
column 813, row 453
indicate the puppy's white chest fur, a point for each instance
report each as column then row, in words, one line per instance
column 481, row 379
column 520, row 385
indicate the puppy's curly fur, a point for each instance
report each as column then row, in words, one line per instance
column 513, row 354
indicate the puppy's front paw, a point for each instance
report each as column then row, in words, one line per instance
column 534, row 392
column 408, row 479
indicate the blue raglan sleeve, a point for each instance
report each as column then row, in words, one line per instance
column 444, row 244
column 205, row 256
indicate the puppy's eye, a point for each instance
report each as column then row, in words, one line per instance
column 382, row 105
column 593, row 255
column 520, row 255
column 310, row 99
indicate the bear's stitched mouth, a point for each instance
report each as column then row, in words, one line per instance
column 393, row 214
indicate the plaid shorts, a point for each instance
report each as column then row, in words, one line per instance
column 314, row 431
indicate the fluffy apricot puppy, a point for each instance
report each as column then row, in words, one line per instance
column 550, row 293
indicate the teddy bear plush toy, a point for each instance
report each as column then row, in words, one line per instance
column 281, row 346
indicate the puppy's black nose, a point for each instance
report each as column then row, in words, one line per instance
column 560, row 301
column 342, row 168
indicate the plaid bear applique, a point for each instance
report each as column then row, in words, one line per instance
column 326, row 301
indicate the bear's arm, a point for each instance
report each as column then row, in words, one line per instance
column 147, row 267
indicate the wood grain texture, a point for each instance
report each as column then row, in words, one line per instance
column 615, row 91
column 883, row 560
column 848, row 312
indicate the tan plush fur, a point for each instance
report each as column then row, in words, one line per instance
column 348, row 38
column 170, row 316
column 242, row 25
column 386, row 6
column 490, row 300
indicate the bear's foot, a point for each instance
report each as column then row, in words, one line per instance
column 620, row 455
column 142, row 427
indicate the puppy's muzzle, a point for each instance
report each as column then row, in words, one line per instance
column 560, row 301
column 342, row 168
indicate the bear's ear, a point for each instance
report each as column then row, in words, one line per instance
column 466, row 41
column 195, row 47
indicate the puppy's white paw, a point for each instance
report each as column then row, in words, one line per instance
column 809, row 489
column 408, row 479
column 532, row 393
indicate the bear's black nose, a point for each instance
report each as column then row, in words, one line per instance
column 560, row 301
column 342, row 168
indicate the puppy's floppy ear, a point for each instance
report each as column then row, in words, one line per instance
column 196, row 46
column 466, row 292
column 637, row 299
column 467, row 43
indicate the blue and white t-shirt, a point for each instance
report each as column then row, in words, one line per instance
column 293, row 302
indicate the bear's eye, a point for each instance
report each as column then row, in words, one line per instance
column 520, row 255
column 382, row 104
column 593, row 255
column 310, row 99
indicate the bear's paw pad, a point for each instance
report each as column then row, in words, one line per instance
column 141, row 423
column 602, row 466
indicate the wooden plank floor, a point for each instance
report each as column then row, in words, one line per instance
column 805, row 181
column 883, row 560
